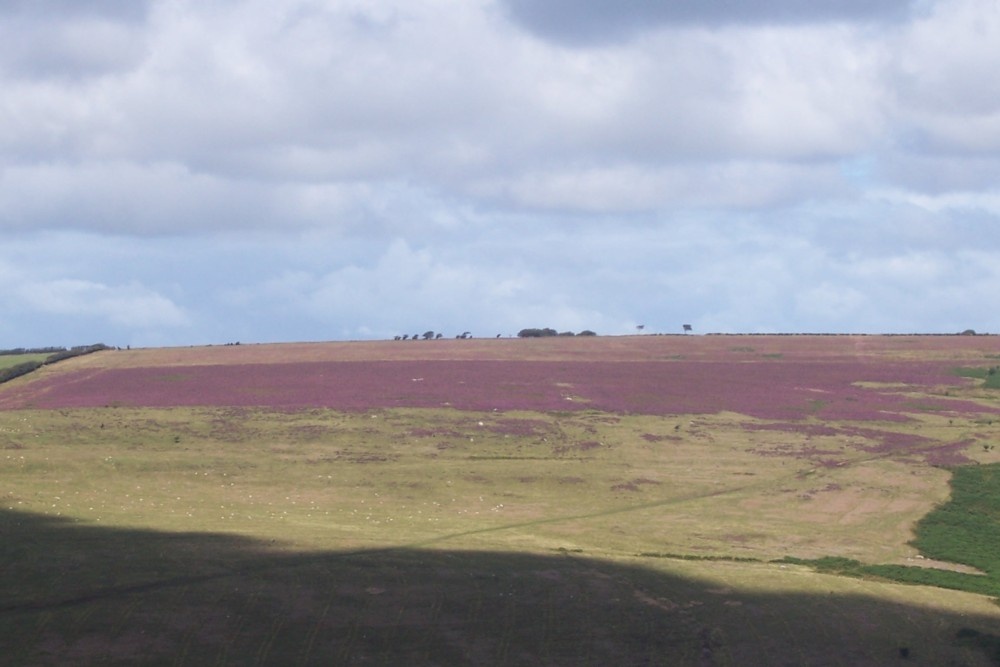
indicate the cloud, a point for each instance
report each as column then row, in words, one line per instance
column 601, row 21
column 49, row 10
column 129, row 305
column 313, row 114
column 637, row 189
column 71, row 50
column 304, row 170
column 64, row 38
column 126, row 197
column 942, row 74
column 399, row 289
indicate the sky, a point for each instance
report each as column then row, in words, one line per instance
column 187, row 172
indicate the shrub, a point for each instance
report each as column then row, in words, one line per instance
column 12, row 372
column 537, row 333
column 77, row 351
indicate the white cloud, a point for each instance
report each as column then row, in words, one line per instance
column 633, row 188
column 943, row 72
column 128, row 305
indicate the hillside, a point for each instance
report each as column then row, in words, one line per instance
column 632, row 500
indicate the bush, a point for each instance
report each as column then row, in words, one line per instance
column 75, row 352
column 12, row 372
column 537, row 333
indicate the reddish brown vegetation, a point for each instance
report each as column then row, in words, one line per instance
column 770, row 390
column 789, row 378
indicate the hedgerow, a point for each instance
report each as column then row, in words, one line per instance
column 56, row 354
column 18, row 370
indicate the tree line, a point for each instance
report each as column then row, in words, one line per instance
column 543, row 333
column 523, row 333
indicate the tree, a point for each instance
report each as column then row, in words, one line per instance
column 687, row 327
column 428, row 335
column 537, row 333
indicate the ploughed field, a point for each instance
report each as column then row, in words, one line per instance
column 626, row 500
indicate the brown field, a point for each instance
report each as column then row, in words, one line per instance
column 618, row 348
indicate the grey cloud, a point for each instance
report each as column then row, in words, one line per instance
column 71, row 38
column 68, row 50
column 155, row 199
column 602, row 21
column 58, row 10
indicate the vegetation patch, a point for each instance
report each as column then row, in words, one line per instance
column 990, row 376
column 964, row 530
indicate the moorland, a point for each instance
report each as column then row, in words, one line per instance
column 636, row 500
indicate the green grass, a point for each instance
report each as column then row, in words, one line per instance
column 990, row 376
column 966, row 529
column 9, row 360
column 218, row 536
column 963, row 530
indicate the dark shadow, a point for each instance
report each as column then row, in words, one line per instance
column 77, row 594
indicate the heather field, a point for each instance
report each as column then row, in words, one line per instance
column 646, row 500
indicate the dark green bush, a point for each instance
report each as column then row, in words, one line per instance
column 12, row 372
column 537, row 333
column 77, row 351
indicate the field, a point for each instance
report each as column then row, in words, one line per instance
column 8, row 360
column 646, row 500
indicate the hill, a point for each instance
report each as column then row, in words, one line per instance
column 571, row 500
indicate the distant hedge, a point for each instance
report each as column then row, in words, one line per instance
column 57, row 354
column 12, row 372
column 78, row 351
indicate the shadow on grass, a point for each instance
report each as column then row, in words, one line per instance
column 76, row 593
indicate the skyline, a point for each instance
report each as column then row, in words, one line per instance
column 180, row 173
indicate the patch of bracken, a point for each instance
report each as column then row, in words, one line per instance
column 634, row 484
column 625, row 486
column 584, row 446
column 433, row 433
column 520, row 427
column 951, row 454
column 792, row 427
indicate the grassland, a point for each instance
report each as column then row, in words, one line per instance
column 216, row 534
column 10, row 360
